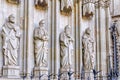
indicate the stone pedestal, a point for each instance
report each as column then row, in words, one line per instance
column 89, row 75
column 41, row 71
column 11, row 72
column 64, row 75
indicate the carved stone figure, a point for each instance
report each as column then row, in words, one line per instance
column 89, row 54
column 66, row 6
column 41, row 42
column 66, row 48
column 11, row 39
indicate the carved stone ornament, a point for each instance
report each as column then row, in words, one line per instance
column 14, row 1
column 88, row 8
column 41, row 4
column 66, row 7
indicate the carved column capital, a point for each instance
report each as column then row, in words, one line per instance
column 107, row 3
column 102, row 3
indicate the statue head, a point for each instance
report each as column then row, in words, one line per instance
column 41, row 23
column 67, row 30
column 88, row 31
column 11, row 18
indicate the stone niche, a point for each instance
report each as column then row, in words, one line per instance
column 14, row 1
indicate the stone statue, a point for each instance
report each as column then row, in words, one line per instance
column 66, row 48
column 11, row 39
column 89, row 54
column 41, row 42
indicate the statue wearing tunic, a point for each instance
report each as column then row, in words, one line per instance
column 11, row 39
column 89, row 54
column 66, row 48
column 41, row 42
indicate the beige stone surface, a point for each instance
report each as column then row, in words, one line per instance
column 28, row 16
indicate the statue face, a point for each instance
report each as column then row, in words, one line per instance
column 41, row 25
column 88, row 31
column 67, row 31
column 12, row 19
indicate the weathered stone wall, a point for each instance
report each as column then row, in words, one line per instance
column 28, row 17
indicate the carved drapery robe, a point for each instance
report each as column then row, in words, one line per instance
column 11, row 37
column 66, row 50
column 41, row 49
column 89, row 55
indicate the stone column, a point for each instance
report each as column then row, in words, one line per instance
column 101, row 39
column 108, row 36
column 97, row 37
column 1, row 23
column 53, row 36
column 29, row 37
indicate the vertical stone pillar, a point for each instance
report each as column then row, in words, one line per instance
column 102, row 40
column 97, row 37
column 53, row 39
column 1, row 23
column 80, row 37
column 24, row 62
column 29, row 37
column 108, row 36
column 56, row 39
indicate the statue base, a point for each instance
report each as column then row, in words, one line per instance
column 89, row 75
column 11, row 72
column 41, row 73
column 65, row 75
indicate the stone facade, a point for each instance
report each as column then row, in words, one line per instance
column 31, row 50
